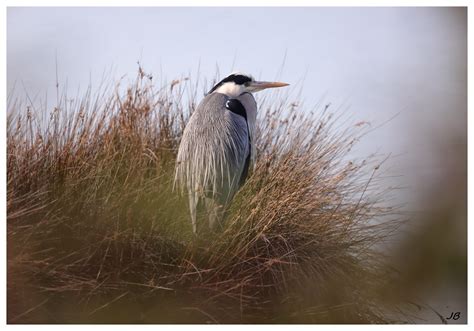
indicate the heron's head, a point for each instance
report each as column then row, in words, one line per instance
column 237, row 83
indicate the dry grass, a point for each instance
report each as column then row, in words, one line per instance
column 96, row 233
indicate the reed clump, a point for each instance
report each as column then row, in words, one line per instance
column 96, row 233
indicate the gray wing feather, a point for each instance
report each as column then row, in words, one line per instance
column 213, row 151
column 250, row 105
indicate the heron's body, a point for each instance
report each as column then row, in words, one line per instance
column 217, row 148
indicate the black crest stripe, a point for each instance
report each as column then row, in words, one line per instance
column 237, row 79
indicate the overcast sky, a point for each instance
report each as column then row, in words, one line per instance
column 380, row 61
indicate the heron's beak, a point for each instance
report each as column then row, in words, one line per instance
column 258, row 86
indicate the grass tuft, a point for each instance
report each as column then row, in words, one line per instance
column 96, row 233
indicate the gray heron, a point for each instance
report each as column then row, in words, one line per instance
column 217, row 147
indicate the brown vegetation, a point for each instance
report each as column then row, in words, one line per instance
column 96, row 233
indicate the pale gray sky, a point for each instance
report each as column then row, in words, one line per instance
column 381, row 61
